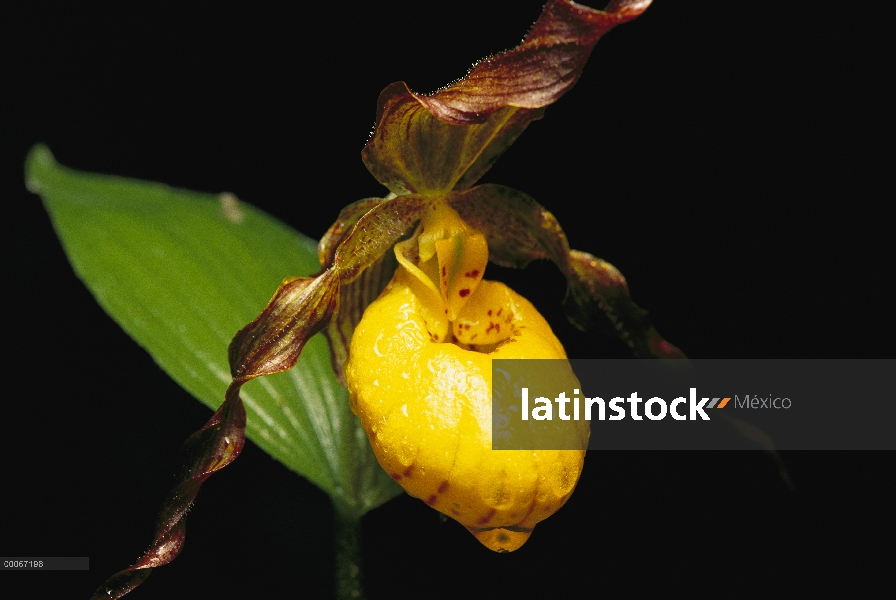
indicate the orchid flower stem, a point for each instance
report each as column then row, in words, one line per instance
column 347, row 538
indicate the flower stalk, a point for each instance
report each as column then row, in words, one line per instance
column 347, row 545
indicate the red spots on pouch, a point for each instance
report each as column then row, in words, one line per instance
column 464, row 292
column 487, row 517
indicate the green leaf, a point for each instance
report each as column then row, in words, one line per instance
column 182, row 272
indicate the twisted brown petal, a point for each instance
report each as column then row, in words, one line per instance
column 353, row 300
column 348, row 218
column 595, row 283
column 304, row 306
column 211, row 448
column 519, row 230
column 375, row 233
column 537, row 72
column 301, row 307
column 431, row 144
column 355, row 296
column 273, row 341
column 372, row 234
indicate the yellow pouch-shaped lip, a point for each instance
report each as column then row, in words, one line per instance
column 426, row 407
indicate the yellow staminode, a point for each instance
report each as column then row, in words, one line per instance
column 420, row 378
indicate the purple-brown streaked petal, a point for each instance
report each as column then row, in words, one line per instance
column 301, row 307
column 537, row 72
column 412, row 151
column 348, row 217
column 356, row 295
column 375, row 233
column 430, row 144
column 519, row 230
column 353, row 300
column 596, row 286
column 271, row 343
column 358, row 248
column 208, row 450
column 511, row 222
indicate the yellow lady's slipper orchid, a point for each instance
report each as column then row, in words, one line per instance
column 417, row 357
column 419, row 376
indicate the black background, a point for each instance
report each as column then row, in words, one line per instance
column 728, row 158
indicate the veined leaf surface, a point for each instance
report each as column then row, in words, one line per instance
column 182, row 272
